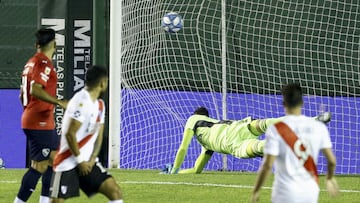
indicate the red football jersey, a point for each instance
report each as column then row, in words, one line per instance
column 38, row 115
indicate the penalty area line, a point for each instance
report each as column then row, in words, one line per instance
column 212, row 185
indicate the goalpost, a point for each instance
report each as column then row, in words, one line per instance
column 235, row 69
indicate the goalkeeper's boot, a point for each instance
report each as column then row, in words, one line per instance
column 324, row 117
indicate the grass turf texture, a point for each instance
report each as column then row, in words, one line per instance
column 149, row 186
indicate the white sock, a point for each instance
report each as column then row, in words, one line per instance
column 116, row 201
column 17, row 200
column 44, row 199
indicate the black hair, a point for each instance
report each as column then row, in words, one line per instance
column 44, row 36
column 201, row 111
column 94, row 74
column 292, row 95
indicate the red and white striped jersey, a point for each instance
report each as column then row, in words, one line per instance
column 91, row 114
column 293, row 179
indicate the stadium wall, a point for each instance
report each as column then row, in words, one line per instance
column 17, row 28
column 12, row 139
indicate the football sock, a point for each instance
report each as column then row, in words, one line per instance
column 116, row 201
column 255, row 148
column 46, row 179
column 44, row 199
column 258, row 127
column 28, row 184
column 17, row 200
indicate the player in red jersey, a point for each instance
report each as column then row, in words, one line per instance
column 38, row 96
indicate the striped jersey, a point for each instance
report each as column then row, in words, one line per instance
column 91, row 114
column 292, row 180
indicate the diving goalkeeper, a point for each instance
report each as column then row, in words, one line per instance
column 238, row 138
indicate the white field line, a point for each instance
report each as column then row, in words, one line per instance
column 210, row 185
column 185, row 183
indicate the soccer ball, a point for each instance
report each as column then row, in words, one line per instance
column 172, row 22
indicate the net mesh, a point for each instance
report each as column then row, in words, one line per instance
column 269, row 43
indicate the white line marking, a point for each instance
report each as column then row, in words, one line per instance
column 9, row 181
column 211, row 185
column 187, row 183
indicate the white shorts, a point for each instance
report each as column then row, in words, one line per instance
column 295, row 193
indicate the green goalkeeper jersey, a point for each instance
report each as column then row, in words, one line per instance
column 219, row 136
column 225, row 137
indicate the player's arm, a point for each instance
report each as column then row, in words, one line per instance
column 263, row 173
column 181, row 153
column 331, row 183
column 97, row 145
column 70, row 136
column 271, row 151
column 38, row 91
column 200, row 163
column 331, row 162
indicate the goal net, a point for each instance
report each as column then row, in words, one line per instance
column 165, row 77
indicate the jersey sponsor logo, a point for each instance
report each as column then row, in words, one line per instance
column 300, row 147
column 45, row 152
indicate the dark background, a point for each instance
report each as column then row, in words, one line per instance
column 314, row 43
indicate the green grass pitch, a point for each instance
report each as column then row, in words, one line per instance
column 140, row 186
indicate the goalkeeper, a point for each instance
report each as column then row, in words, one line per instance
column 238, row 138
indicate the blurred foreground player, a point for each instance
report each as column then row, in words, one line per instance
column 76, row 164
column 294, row 145
column 38, row 96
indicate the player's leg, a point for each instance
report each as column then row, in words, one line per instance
column 249, row 148
column 111, row 190
column 46, row 180
column 53, row 144
column 39, row 156
column 57, row 200
column 258, row 127
column 99, row 180
column 64, row 185
column 28, row 184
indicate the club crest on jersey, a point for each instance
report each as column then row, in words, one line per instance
column 47, row 70
column 45, row 152
column 63, row 189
